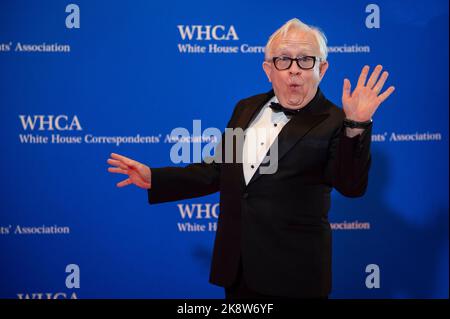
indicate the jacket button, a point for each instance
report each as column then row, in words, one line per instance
column 245, row 195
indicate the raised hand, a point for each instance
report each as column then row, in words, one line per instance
column 360, row 105
column 138, row 173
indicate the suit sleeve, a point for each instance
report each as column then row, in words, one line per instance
column 349, row 162
column 194, row 180
column 177, row 183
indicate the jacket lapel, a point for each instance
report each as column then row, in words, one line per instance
column 297, row 128
column 251, row 108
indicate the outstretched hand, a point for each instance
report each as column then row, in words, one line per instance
column 360, row 105
column 138, row 173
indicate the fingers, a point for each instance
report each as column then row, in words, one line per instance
column 117, row 164
column 123, row 159
column 117, row 170
column 123, row 183
column 363, row 76
column 374, row 76
column 125, row 165
column 375, row 82
column 386, row 94
column 346, row 89
column 379, row 86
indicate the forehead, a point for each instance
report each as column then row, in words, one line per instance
column 296, row 42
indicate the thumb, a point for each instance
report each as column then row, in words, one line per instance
column 346, row 89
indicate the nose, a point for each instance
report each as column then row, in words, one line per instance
column 294, row 69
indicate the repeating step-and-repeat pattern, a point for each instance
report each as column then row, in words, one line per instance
column 82, row 79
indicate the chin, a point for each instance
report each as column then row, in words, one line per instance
column 295, row 101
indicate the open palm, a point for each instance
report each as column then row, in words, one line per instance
column 361, row 104
column 138, row 173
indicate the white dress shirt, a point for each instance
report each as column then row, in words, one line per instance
column 259, row 136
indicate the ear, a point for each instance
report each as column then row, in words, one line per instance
column 268, row 69
column 322, row 69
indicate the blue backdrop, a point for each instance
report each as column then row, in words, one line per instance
column 111, row 76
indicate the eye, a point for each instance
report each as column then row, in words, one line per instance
column 305, row 58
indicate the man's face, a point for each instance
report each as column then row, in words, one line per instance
column 295, row 87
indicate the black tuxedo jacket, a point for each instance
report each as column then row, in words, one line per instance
column 278, row 223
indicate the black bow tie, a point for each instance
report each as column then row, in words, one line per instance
column 277, row 107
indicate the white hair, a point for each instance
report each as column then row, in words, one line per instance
column 296, row 24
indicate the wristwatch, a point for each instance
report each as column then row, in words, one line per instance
column 353, row 124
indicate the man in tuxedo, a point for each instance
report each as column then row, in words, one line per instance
column 273, row 237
